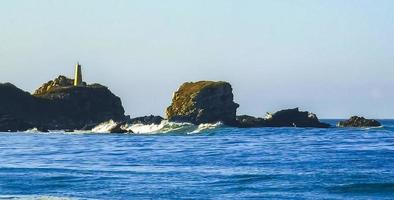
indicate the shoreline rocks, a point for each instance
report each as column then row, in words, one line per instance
column 59, row 105
column 203, row 102
column 356, row 121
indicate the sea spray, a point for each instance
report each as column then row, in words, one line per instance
column 164, row 127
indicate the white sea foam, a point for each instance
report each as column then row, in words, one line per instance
column 104, row 127
column 164, row 127
column 204, row 127
column 33, row 130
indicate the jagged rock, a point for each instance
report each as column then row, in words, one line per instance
column 294, row 118
column 61, row 106
column 203, row 102
column 146, row 120
column 246, row 121
column 356, row 121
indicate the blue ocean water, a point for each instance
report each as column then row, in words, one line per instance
column 223, row 163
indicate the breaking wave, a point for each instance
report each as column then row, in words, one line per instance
column 164, row 127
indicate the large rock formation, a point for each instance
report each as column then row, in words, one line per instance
column 59, row 105
column 203, row 102
column 356, row 121
column 283, row 118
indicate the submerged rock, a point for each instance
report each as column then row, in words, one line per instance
column 58, row 105
column 203, row 102
column 356, row 121
column 120, row 128
column 283, row 118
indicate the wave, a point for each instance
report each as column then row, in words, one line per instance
column 104, row 127
column 164, row 127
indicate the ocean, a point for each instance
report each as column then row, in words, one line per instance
column 209, row 163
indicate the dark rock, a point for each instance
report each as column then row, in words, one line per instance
column 283, row 118
column 203, row 102
column 89, row 127
column 11, row 124
column 119, row 128
column 294, row 118
column 246, row 121
column 356, row 121
column 146, row 120
column 57, row 105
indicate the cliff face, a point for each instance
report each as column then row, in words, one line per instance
column 203, row 102
column 59, row 105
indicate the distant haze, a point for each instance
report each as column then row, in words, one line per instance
column 332, row 57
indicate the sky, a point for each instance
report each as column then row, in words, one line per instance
column 334, row 58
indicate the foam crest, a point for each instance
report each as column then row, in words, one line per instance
column 104, row 127
column 164, row 127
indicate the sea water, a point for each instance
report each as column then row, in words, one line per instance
column 211, row 163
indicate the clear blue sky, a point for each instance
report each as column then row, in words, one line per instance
column 335, row 58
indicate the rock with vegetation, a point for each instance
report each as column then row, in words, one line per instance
column 51, row 85
column 59, row 105
column 203, row 102
column 356, row 121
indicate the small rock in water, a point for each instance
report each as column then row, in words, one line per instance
column 356, row 121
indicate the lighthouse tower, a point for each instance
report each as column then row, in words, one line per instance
column 78, row 75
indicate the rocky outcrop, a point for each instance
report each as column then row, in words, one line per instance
column 294, row 118
column 203, row 102
column 146, row 120
column 356, row 121
column 283, row 118
column 59, row 105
